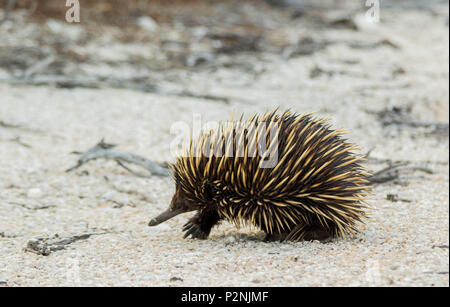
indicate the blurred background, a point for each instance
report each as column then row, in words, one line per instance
column 383, row 59
column 144, row 44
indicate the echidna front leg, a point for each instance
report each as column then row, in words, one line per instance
column 200, row 225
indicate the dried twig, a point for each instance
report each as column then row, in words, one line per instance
column 395, row 198
column 106, row 151
column 440, row 246
column 440, row 128
column 371, row 160
column 39, row 207
column 45, row 246
column 7, row 125
column 392, row 172
column 401, row 116
column 20, row 142
column 129, row 169
column 437, row 272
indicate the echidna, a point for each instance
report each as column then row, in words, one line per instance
column 314, row 191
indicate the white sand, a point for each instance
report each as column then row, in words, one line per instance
column 403, row 244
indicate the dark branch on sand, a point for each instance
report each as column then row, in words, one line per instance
column 392, row 172
column 7, row 125
column 107, row 151
column 45, row 246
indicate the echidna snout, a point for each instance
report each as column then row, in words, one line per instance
column 177, row 206
column 166, row 215
column 315, row 190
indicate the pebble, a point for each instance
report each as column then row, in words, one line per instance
column 231, row 239
column 35, row 193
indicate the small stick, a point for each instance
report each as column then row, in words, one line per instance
column 130, row 170
column 41, row 207
column 6, row 125
column 106, row 151
column 392, row 172
column 19, row 141
column 45, row 246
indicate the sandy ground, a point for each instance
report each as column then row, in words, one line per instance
column 405, row 243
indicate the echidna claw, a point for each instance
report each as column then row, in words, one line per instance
column 187, row 226
column 194, row 231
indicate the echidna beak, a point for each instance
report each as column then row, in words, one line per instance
column 166, row 215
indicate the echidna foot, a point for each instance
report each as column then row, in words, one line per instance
column 194, row 230
column 199, row 226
